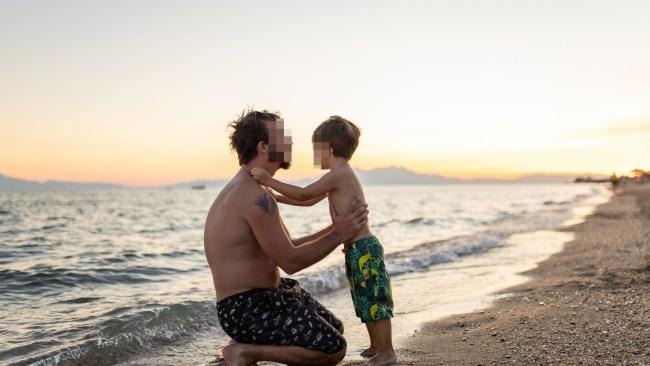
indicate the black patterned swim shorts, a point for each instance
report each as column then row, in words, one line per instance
column 284, row 316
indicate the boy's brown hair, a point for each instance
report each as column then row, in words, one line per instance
column 341, row 134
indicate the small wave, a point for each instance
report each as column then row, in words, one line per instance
column 26, row 349
column 49, row 278
column 170, row 227
column 428, row 254
column 551, row 202
column 416, row 259
column 134, row 332
column 178, row 253
column 385, row 223
column 54, row 226
column 79, row 300
column 419, row 220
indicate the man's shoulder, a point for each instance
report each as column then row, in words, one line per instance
column 253, row 199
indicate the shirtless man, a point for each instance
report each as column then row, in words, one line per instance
column 270, row 318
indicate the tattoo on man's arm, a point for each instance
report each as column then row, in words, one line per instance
column 267, row 203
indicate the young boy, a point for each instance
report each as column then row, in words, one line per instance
column 335, row 140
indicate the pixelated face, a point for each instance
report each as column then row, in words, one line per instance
column 280, row 143
column 321, row 155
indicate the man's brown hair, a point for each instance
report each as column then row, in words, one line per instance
column 341, row 135
column 248, row 130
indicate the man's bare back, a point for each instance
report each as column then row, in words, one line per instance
column 236, row 259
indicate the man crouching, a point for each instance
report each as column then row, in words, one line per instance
column 270, row 318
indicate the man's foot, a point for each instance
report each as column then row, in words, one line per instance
column 382, row 359
column 235, row 355
column 369, row 352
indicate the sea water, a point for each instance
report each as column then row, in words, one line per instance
column 119, row 276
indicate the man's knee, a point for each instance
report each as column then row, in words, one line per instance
column 334, row 358
column 343, row 345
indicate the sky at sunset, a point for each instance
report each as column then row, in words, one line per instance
column 140, row 92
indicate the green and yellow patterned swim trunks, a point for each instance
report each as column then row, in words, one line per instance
column 369, row 282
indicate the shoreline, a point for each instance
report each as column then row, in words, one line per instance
column 588, row 304
column 458, row 286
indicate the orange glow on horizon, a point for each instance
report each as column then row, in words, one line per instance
column 144, row 97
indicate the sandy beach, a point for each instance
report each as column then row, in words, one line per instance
column 586, row 305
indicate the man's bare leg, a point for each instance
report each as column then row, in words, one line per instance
column 240, row 354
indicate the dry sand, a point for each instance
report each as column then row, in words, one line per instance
column 586, row 305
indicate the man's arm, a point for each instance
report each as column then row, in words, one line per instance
column 307, row 238
column 264, row 219
column 312, row 237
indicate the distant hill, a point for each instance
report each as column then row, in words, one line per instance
column 397, row 175
column 9, row 183
column 387, row 176
column 200, row 182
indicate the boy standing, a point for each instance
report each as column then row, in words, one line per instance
column 335, row 140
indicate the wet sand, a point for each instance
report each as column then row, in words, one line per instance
column 586, row 305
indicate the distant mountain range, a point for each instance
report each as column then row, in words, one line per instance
column 9, row 183
column 388, row 176
column 396, row 175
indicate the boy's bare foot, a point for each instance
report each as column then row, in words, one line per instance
column 235, row 354
column 369, row 352
column 382, row 359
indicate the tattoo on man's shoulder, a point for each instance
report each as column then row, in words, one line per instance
column 267, row 203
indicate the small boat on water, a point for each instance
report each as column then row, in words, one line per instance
column 198, row 186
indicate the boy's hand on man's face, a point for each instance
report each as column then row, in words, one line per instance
column 260, row 175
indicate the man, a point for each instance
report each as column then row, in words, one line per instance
column 269, row 318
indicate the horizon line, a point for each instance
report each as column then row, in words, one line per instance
column 180, row 182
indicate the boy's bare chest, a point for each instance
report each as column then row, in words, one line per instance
column 341, row 199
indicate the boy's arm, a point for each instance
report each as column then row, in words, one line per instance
column 290, row 201
column 322, row 186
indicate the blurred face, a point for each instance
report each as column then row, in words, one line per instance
column 322, row 155
column 280, row 143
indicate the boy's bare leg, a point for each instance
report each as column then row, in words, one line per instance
column 240, row 354
column 384, row 341
column 372, row 350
